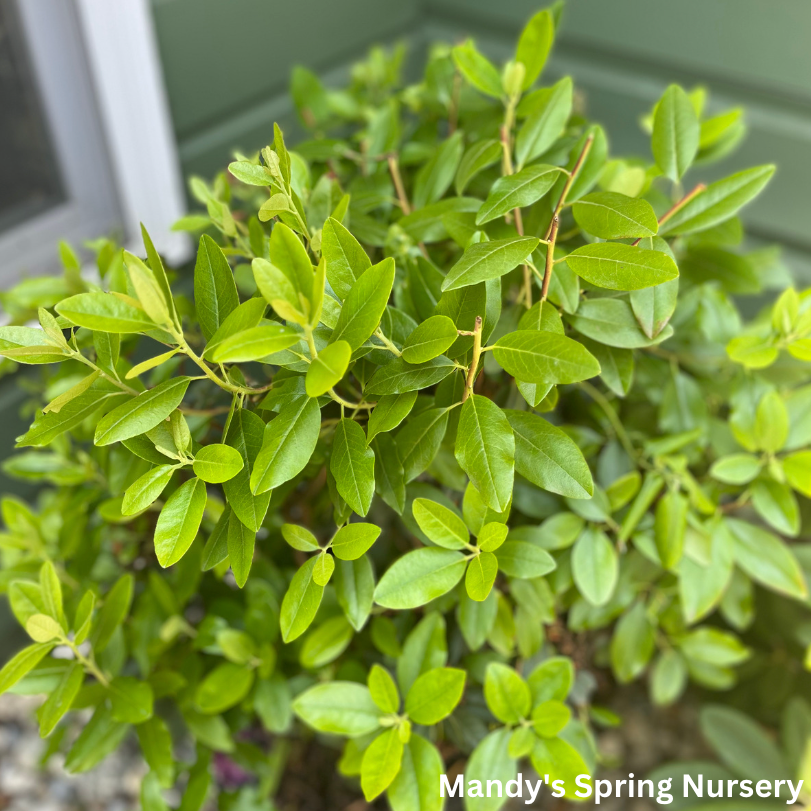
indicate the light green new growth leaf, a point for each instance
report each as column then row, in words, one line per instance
column 254, row 343
column 217, row 463
column 353, row 540
column 506, row 693
column 338, row 708
column 143, row 491
column 327, row 368
column 107, row 312
column 346, row 259
column 179, row 522
column 365, row 304
column 383, row 689
column 534, row 45
column 544, row 125
column 142, row 413
column 595, row 566
column 480, row 576
column 381, row 762
column 434, row 695
column 419, row 577
column 477, row 69
column 300, row 603
column 440, row 524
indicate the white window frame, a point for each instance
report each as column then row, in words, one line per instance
column 98, row 71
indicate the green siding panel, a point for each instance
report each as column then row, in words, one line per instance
column 222, row 57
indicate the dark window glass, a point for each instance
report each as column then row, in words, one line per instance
column 29, row 176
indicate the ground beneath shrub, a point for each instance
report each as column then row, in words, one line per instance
column 647, row 739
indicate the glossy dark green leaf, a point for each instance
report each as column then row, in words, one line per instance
column 621, row 267
column 215, row 292
column 517, row 191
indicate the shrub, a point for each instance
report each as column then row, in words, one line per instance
column 442, row 427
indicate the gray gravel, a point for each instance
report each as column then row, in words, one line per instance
column 25, row 784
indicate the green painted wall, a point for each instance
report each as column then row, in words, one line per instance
column 227, row 66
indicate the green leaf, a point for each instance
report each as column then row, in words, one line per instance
column 327, row 368
column 107, row 312
column 354, row 588
column 490, row 760
column 217, row 463
column 300, row 603
column 479, row 155
column 419, row 441
column 381, row 762
column 346, row 259
column 516, row 191
column 611, row 321
column 489, row 260
column 434, row 695
column 741, row 743
column 485, row 450
column 436, row 175
column 383, row 689
column 441, row 525
column 492, row 536
column 719, row 201
column 595, row 566
column 241, row 541
column 561, row 761
column 534, row 45
column 400, row 377
column 42, row 628
column 113, row 612
column 654, row 306
column 425, row 648
column 767, row 560
column 545, row 124
column 389, row 474
column 151, row 794
column 224, row 687
column 797, row 467
column 23, row 662
column 610, row 215
column 714, row 646
column 353, row 540
column 101, row 736
column 288, row 444
column 143, row 491
column 668, row 678
column 671, row 524
column 771, row 423
column 477, row 69
column 776, row 504
column 551, row 680
column 156, row 746
column 419, row 577
column 323, row 569
column 676, row 133
column 430, row 339
column 243, row 318
column 60, row 698
column 506, row 693
column 364, row 305
column 633, row 643
column 254, row 343
column 245, row 434
column 415, row 787
column 548, row 457
column 288, row 254
column 522, row 559
column 215, row 291
column 326, row 643
column 179, row 521
column 544, row 357
column 300, row 538
column 142, row 413
column 621, row 267
column 390, row 411
column 353, row 465
column 338, row 708
column 550, row 717
column 480, row 576
column 130, row 700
